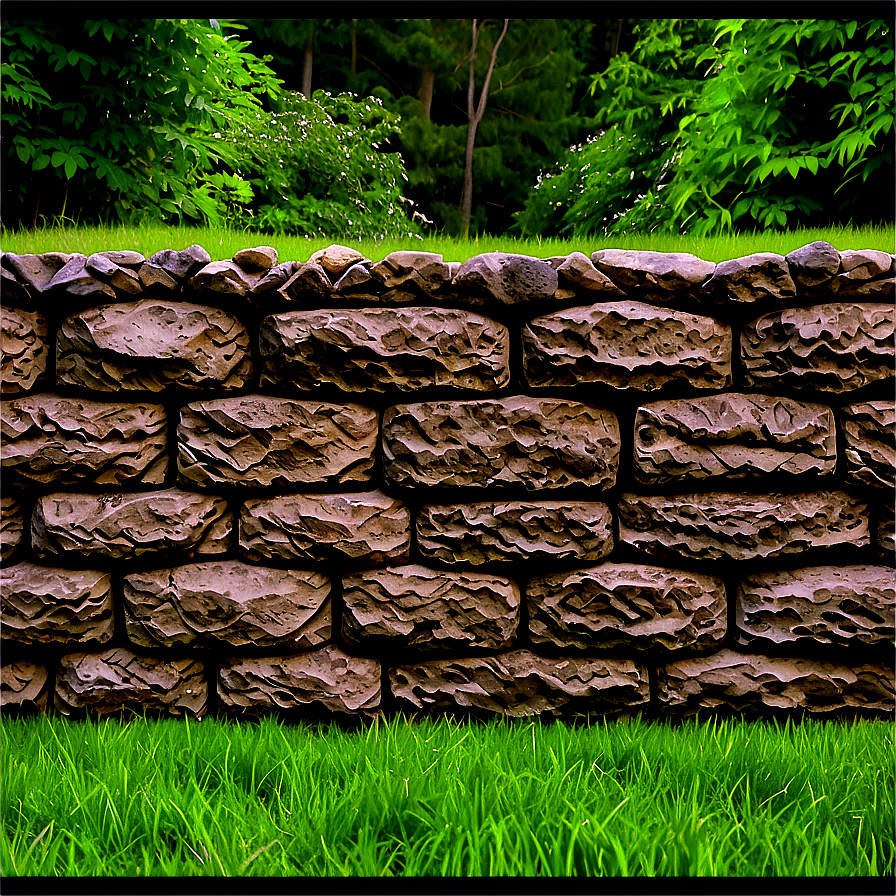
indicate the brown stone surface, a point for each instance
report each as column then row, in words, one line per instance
column 119, row 526
column 869, row 429
column 327, row 679
column 359, row 528
column 181, row 264
column 886, row 535
column 428, row 611
column 626, row 345
column 118, row 679
column 731, row 525
column 36, row 270
column 508, row 279
column 258, row 258
column 532, row 442
column 629, row 608
column 100, row 266
column 24, row 352
column 752, row 278
column 795, row 610
column 654, row 276
column 813, row 264
column 11, row 290
column 126, row 283
column 156, row 278
column 260, row 440
column 356, row 283
column 124, row 257
column 336, row 260
column 274, row 279
column 153, row 345
column 383, row 349
column 515, row 530
column 731, row 681
column 12, row 526
column 24, row 686
column 865, row 264
column 227, row 603
column 76, row 280
column 521, row 683
column 61, row 441
column 835, row 347
column 224, row 278
column 732, row 436
column 310, row 281
column 41, row 605
column 578, row 272
column 422, row 273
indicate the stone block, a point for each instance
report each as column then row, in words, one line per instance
column 577, row 273
column 225, row 603
column 36, row 271
column 157, row 279
column 183, row 264
column 41, row 605
column 76, row 280
column 126, row 526
column 24, row 350
column 384, row 349
column 515, row 441
column 627, row 345
column 327, row 679
column 521, row 683
column 308, row 282
column 336, row 260
column 420, row 273
column 732, row 436
column 763, row 276
column 660, row 277
column 259, row 440
column 736, row 526
column 869, row 430
column 24, row 686
column 153, row 345
column 514, row 280
column 54, row 440
column 258, row 258
column 813, row 265
column 886, row 536
column 275, row 279
column 12, row 526
column 358, row 529
column 629, row 608
column 490, row 531
column 836, row 347
column 413, row 608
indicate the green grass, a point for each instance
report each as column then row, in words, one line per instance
column 222, row 243
column 440, row 797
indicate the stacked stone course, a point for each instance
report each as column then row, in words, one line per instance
column 568, row 487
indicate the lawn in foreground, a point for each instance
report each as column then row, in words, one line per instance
column 442, row 797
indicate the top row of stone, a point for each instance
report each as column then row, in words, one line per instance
column 342, row 274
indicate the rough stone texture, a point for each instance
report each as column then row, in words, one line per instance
column 274, row 279
column 835, row 347
column 70, row 441
column 752, row 278
column 869, row 429
column 423, row 273
column 126, row 283
column 356, row 283
column 797, row 610
column 521, row 683
column 24, row 686
column 11, row 289
column 863, row 274
column 41, row 605
column 383, row 349
column 183, row 264
column 578, row 272
column 118, row 679
column 732, row 436
column 36, row 270
column 731, row 681
column 508, row 279
column 225, row 602
column 813, row 264
column 23, row 350
column 123, row 258
column 532, row 442
column 259, row 258
column 12, row 526
column 361, row 528
column 100, row 266
column 310, row 281
column 515, row 530
column 626, row 345
column 654, row 276
column 336, row 260
column 259, row 440
column 729, row 525
column 327, row 679
column 225, row 278
column 153, row 345
column 75, row 279
column 121, row 526
column 427, row 611
column 627, row 607
column 886, row 536
column 156, row 278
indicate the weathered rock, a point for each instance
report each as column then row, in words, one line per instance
column 356, row 283
column 24, row 686
column 654, row 276
column 124, row 258
column 36, row 270
column 156, row 278
column 12, row 526
column 183, row 264
column 126, row 282
column 336, row 260
column 868, row 290
column 626, row 345
column 41, row 605
column 153, row 345
column 227, row 603
column 11, row 290
column 752, row 278
column 800, row 609
column 76, row 280
column 521, row 683
column 260, row 440
column 627, row 607
column 360, row 528
column 577, row 271
column 384, row 349
column 423, row 273
column 515, row 530
column 100, row 266
column 23, row 350
column 508, row 279
column 69, row 441
column 310, row 281
column 531, row 442
column 865, row 264
column 734, row 682
column 813, row 265
column 223, row 277
column 869, row 429
column 426, row 611
column 259, row 258
column 886, row 535
column 732, row 436
column 117, row 679
column 327, row 679
column 741, row 526
column 277, row 277
column 121, row 526
column 835, row 347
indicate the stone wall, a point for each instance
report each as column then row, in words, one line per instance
column 578, row 485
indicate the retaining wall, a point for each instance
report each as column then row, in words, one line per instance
column 571, row 486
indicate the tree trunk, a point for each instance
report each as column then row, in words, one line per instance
column 307, row 59
column 614, row 47
column 425, row 94
column 354, row 46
